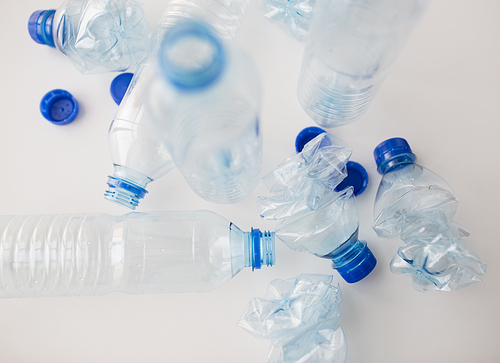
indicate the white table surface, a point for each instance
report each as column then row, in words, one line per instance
column 443, row 95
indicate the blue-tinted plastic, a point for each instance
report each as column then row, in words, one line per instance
column 300, row 316
column 315, row 217
column 59, row 107
column 188, row 79
column 419, row 206
column 357, row 177
column 40, row 27
column 124, row 192
column 119, row 86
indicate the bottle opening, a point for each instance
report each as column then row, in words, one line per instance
column 262, row 248
column 191, row 56
column 124, row 193
column 40, row 27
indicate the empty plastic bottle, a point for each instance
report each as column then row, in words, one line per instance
column 138, row 154
column 419, row 206
column 96, row 35
column 315, row 217
column 205, row 102
column 96, row 254
column 350, row 50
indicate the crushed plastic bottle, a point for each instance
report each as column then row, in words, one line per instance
column 205, row 102
column 315, row 217
column 349, row 52
column 95, row 35
column 300, row 316
column 96, row 254
column 293, row 16
column 139, row 156
column 419, row 206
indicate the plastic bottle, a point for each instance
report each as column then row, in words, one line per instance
column 96, row 35
column 293, row 16
column 96, row 254
column 205, row 102
column 350, row 50
column 419, row 206
column 138, row 155
column 315, row 217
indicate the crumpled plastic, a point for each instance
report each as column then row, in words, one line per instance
column 293, row 16
column 314, row 217
column 300, row 316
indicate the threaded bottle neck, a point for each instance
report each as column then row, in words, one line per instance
column 40, row 27
column 260, row 249
column 396, row 162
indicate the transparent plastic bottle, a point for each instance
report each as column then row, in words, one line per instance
column 138, row 155
column 315, row 217
column 350, row 50
column 205, row 102
column 96, row 254
column 419, row 206
column 95, row 35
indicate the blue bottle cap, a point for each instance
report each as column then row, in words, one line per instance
column 40, row 27
column 360, row 267
column 119, row 86
column 357, row 177
column 391, row 148
column 59, row 107
column 307, row 135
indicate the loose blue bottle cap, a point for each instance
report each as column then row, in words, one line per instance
column 357, row 177
column 119, row 86
column 360, row 267
column 390, row 148
column 40, row 27
column 59, row 107
column 307, row 135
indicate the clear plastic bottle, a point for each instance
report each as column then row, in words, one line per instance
column 138, row 155
column 315, row 217
column 350, row 50
column 419, row 206
column 205, row 102
column 96, row 35
column 96, row 254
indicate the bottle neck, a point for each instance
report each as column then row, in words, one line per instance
column 396, row 162
column 259, row 249
column 40, row 27
column 126, row 187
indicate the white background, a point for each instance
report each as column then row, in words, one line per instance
column 443, row 95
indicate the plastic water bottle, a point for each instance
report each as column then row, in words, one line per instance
column 138, row 155
column 95, row 35
column 350, row 50
column 315, row 217
column 205, row 102
column 96, row 254
column 419, row 206
column 293, row 16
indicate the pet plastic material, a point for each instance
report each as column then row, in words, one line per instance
column 119, row 86
column 349, row 52
column 356, row 177
column 315, row 217
column 205, row 102
column 419, row 206
column 293, row 16
column 300, row 316
column 96, row 35
column 96, row 254
column 138, row 155
column 59, row 107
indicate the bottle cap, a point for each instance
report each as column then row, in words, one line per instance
column 389, row 148
column 59, row 107
column 307, row 135
column 119, row 86
column 360, row 267
column 40, row 27
column 357, row 177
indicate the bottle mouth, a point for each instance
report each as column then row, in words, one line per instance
column 40, row 27
column 263, row 249
column 191, row 56
column 124, row 193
